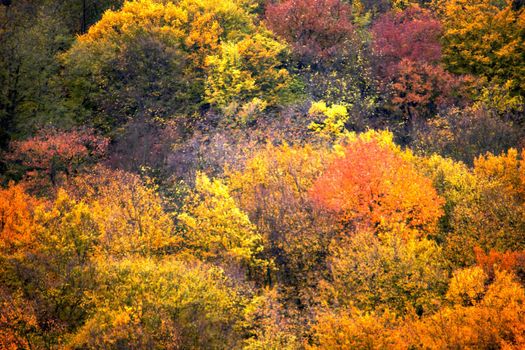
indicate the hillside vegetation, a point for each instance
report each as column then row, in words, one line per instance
column 262, row 174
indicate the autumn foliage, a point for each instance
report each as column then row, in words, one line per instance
column 17, row 224
column 262, row 174
column 316, row 29
column 52, row 154
column 408, row 49
column 373, row 186
column 485, row 38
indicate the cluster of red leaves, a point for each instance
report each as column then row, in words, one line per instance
column 372, row 185
column 417, row 85
column 412, row 34
column 508, row 261
column 408, row 54
column 51, row 152
column 316, row 29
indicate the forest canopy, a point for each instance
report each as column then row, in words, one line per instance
column 256, row 174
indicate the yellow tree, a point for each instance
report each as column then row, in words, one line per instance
column 393, row 270
column 332, row 127
column 248, row 69
column 160, row 304
column 494, row 318
column 507, row 170
column 172, row 57
column 128, row 212
column 215, row 229
column 488, row 211
column 272, row 188
column 485, row 39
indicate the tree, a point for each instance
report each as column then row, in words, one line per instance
column 52, row 154
column 494, row 261
column 31, row 35
column 18, row 323
column 354, row 329
column 333, row 127
column 484, row 206
column 128, row 213
column 373, row 187
column 408, row 53
column 17, row 223
column 465, row 133
column 272, row 188
column 215, row 229
column 168, row 304
column 494, row 321
column 249, row 69
column 394, row 271
column 507, row 169
column 484, row 39
column 62, row 272
column 48, row 276
column 152, row 60
column 418, row 89
column 493, row 217
column 316, row 29
column 269, row 327
column 411, row 34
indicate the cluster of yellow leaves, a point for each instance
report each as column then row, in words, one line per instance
column 215, row 228
column 252, row 67
column 485, row 39
column 155, row 17
column 277, row 174
column 506, row 170
column 145, row 302
column 495, row 320
column 128, row 213
column 467, row 286
column 269, row 328
column 391, row 271
column 354, row 329
column 333, row 126
column 68, row 228
column 235, row 58
column 272, row 188
column 484, row 206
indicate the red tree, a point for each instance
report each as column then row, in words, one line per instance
column 53, row 153
column 408, row 54
column 412, row 34
column 316, row 29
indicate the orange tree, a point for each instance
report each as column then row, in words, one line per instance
column 373, row 186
